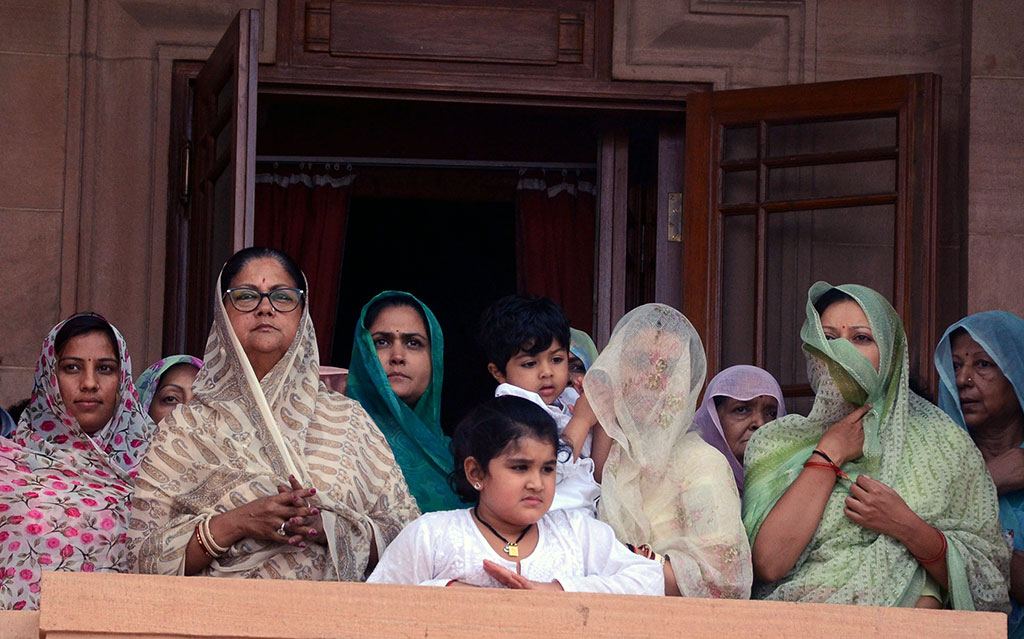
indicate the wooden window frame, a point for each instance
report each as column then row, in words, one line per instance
column 914, row 100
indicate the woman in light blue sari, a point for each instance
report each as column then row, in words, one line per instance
column 980, row 361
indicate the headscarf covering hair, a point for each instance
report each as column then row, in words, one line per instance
column 1001, row 334
column 122, row 440
column 64, row 495
column 149, row 381
column 240, row 438
column 662, row 485
column 582, row 347
column 421, row 448
column 741, row 382
column 909, row 445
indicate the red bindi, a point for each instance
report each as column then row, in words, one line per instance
column 264, row 281
column 844, row 327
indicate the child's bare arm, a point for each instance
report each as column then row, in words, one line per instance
column 599, row 450
column 583, row 420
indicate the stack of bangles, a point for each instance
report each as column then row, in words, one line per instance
column 831, row 465
column 206, row 541
column 940, row 555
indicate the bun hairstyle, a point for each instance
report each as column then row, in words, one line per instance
column 492, row 427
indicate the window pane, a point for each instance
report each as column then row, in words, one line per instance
column 839, row 246
column 739, row 187
column 829, row 137
column 739, row 288
column 832, row 180
column 739, row 143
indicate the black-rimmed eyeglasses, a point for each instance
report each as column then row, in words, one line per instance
column 246, row 299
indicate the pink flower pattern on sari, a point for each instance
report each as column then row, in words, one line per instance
column 64, row 496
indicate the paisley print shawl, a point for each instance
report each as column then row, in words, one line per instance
column 240, row 438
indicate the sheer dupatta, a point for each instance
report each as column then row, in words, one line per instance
column 662, row 484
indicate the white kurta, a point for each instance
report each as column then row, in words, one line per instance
column 575, row 486
column 578, row 551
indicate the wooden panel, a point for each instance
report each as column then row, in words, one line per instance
column 223, row 168
column 453, row 33
column 80, row 605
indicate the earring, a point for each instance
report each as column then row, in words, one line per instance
column 476, row 486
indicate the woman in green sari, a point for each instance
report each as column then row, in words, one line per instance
column 876, row 497
column 395, row 373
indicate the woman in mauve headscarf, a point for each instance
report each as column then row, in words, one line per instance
column 737, row 402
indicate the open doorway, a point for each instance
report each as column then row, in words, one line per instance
column 455, row 256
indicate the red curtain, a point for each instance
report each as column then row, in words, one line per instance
column 555, row 226
column 304, row 215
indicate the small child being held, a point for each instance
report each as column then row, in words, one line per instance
column 505, row 457
column 526, row 341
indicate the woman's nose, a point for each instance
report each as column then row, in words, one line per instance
column 89, row 379
column 397, row 353
column 962, row 377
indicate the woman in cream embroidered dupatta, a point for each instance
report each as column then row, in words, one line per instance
column 912, row 470
column 241, row 440
column 662, row 484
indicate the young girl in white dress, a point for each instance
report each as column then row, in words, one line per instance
column 506, row 451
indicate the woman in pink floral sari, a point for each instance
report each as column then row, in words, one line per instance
column 66, row 473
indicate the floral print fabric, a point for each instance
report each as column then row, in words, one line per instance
column 64, row 496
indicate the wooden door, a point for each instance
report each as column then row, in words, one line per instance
column 789, row 185
column 222, row 172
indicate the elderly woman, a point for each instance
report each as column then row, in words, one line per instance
column 66, row 476
column 395, row 373
column 876, row 497
column 980, row 361
column 663, row 487
column 266, row 473
column 166, row 384
column 737, row 402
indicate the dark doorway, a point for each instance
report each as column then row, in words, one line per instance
column 455, row 256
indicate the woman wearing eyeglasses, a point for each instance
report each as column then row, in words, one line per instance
column 266, row 473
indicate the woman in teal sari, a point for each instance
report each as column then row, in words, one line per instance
column 980, row 361
column 396, row 373
column 876, row 497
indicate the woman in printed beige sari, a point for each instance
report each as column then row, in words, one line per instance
column 266, row 473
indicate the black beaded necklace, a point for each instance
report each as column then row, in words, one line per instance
column 511, row 547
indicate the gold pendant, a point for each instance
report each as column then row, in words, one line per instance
column 512, row 550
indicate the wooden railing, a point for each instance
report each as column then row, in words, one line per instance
column 76, row 605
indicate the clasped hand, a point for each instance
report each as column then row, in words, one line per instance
column 263, row 518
